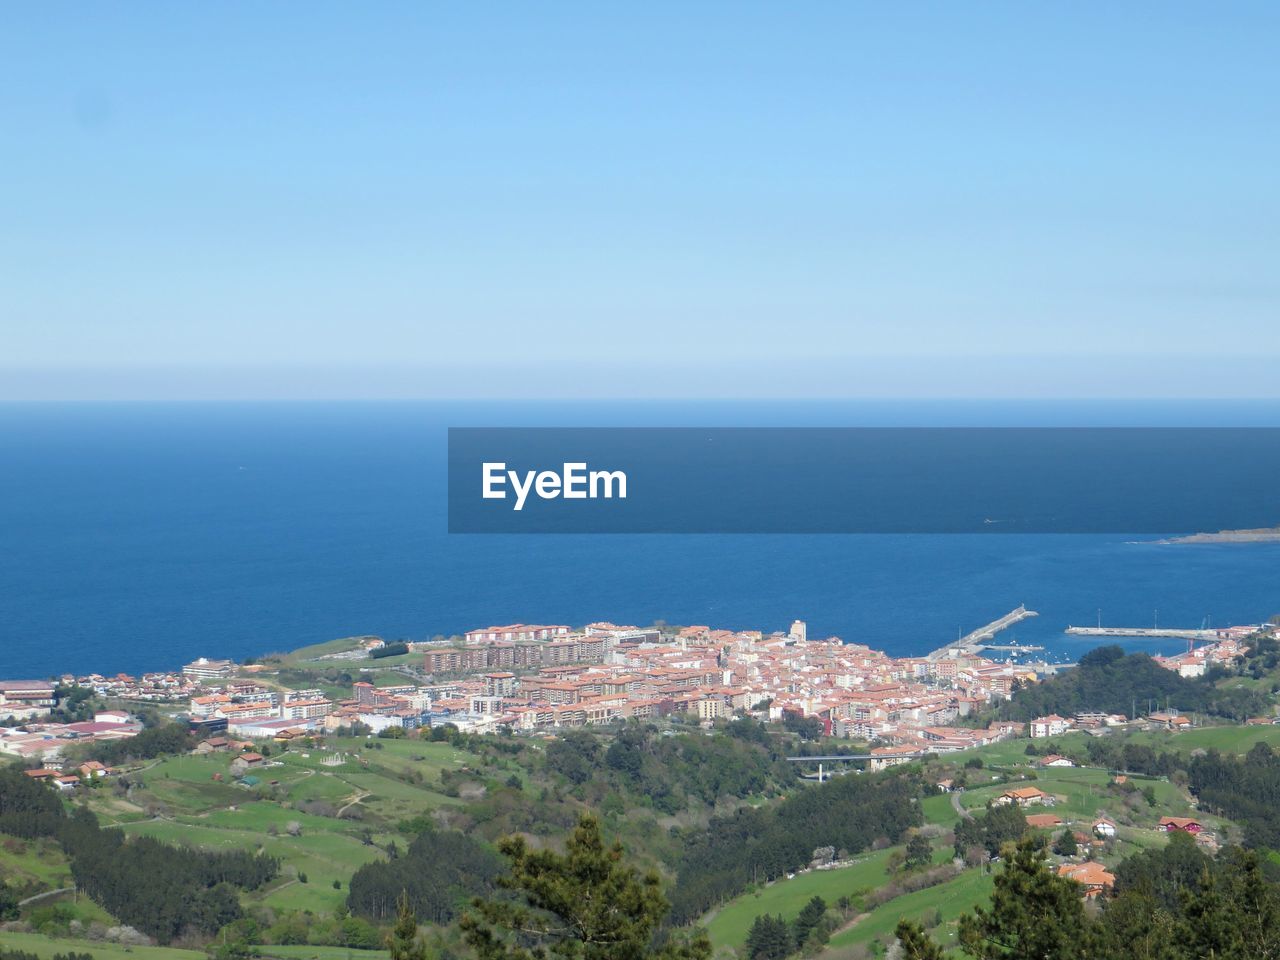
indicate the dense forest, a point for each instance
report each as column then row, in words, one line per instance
column 759, row 844
column 157, row 888
column 1245, row 789
column 670, row 772
column 440, row 871
column 1111, row 681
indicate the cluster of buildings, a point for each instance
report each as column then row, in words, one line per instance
column 252, row 710
column 45, row 743
column 540, row 677
column 548, row 677
column 534, row 677
column 1054, row 726
column 159, row 687
column 1197, row 660
column 23, row 699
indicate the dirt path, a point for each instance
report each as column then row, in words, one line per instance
column 955, row 802
column 48, row 893
column 852, row 923
column 351, row 804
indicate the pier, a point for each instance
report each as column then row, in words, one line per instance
column 976, row 641
column 1143, row 632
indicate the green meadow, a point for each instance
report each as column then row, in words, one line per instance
column 786, row 897
column 45, row 947
column 343, row 816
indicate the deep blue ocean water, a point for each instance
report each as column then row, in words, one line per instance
column 138, row 537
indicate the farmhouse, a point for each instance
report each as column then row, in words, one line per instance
column 1169, row 721
column 1044, row 821
column 1024, row 797
column 1054, row 760
column 1104, row 828
column 1185, row 824
column 247, row 761
column 1091, row 875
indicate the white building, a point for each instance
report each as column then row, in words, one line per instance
column 1050, row 726
column 206, row 669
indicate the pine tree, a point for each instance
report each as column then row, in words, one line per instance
column 1207, row 928
column 810, row 916
column 915, row 943
column 1066, row 845
column 1135, row 926
column 768, row 939
column 1258, row 904
column 1034, row 914
column 8, row 902
column 403, row 940
column 919, row 853
column 586, row 904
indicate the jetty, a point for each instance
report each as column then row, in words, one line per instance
column 975, row 641
column 1144, row 632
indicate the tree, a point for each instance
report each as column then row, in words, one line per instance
column 1236, row 916
column 8, row 902
column 919, row 853
column 810, row 916
column 403, row 940
column 1065, row 845
column 576, row 755
column 992, row 830
column 1165, row 874
column 1034, row 914
column 440, row 868
column 585, row 904
column 768, row 939
column 915, row 943
column 1135, row 926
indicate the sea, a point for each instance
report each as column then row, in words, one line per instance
column 138, row 537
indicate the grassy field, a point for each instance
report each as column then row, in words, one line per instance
column 45, row 947
column 938, row 810
column 1013, row 753
column 786, row 897
column 951, row 900
column 1082, row 793
column 1228, row 739
column 317, row 650
column 322, row 953
column 41, row 861
column 372, row 789
column 729, row 926
column 1224, row 739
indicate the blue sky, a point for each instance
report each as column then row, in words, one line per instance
column 709, row 199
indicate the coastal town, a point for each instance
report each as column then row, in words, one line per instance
column 327, row 757
column 540, row 679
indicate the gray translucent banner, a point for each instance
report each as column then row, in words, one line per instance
column 863, row 480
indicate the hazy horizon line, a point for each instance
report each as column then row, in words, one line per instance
column 873, row 378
